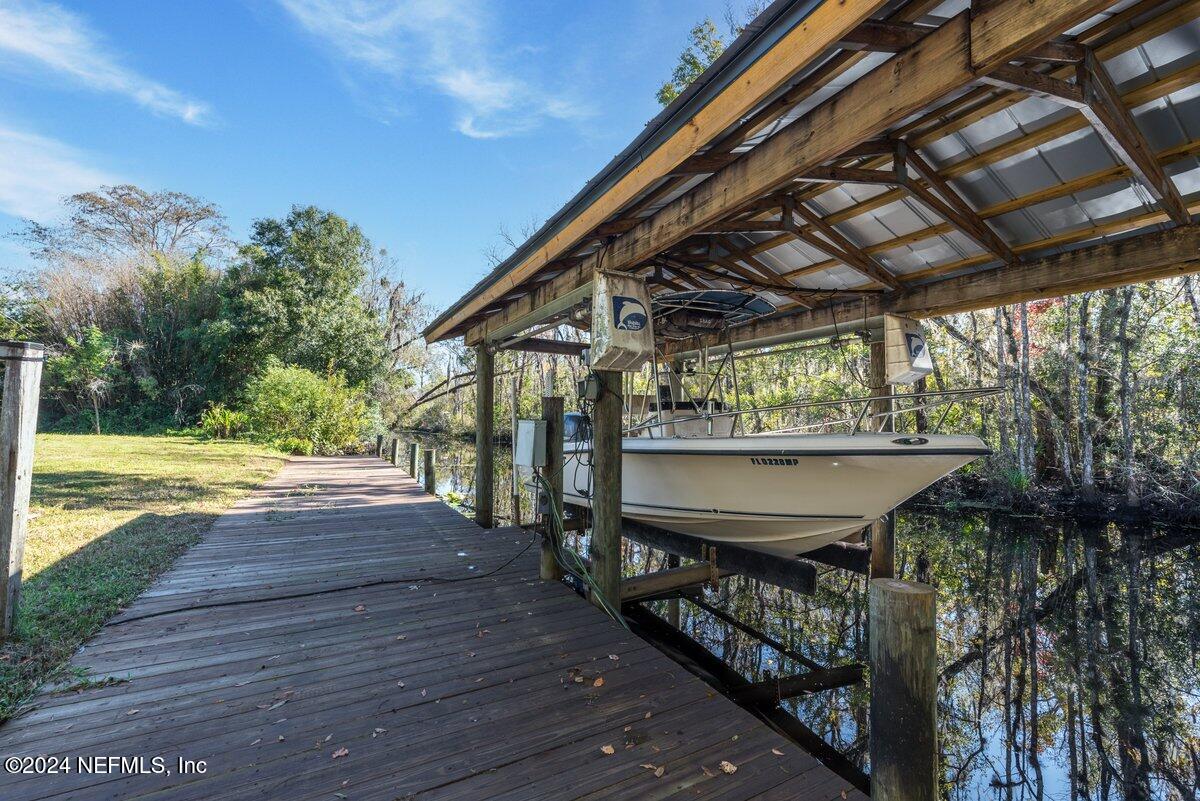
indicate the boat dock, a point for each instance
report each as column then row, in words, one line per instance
column 341, row 634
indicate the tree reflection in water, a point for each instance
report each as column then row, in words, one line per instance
column 1068, row 654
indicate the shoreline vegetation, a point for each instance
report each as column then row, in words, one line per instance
column 109, row 514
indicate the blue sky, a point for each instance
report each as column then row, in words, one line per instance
column 430, row 123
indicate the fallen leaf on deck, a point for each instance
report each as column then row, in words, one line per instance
column 328, row 737
column 133, row 712
column 423, row 693
column 607, row 750
column 707, row 772
column 341, row 752
column 579, row 679
column 613, row 657
column 378, row 732
column 728, row 767
column 277, row 704
column 256, row 742
column 776, row 752
column 648, row 766
column 360, row 608
column 399, row 684
column 658, row 774
column 281, row 738
column 844, row 794
column 647, row 716
column 598, row 682
column 402, row 637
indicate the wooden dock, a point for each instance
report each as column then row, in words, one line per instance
column 302, row 651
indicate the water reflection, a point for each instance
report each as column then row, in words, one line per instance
column 1068, row 654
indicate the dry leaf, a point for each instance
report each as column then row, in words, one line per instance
column 579, row 679
column 776, row 752
column 378, row 732
column 256, row 742
column 341, row 752
column 707, row 772
column 399, row 684
column 647, row 717
column 728, row 767
column 627, row 728
column 613, row 657
column 598, row 682
column 658, row 774
column 277, row 704
column 844, row 794
column 328, row 737
column 423, row 693
column 402, row 637
column 133, row 712
column 360, row 608
column 281, row 738
column 648, row 766
column 607, row 750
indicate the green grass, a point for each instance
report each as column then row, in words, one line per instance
column 109, row 514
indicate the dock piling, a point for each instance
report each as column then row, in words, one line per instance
column 485, row 370
column 379, row 445
column 883, row 530
column 430, row 477
column 395, row 456
column 552, row 413
column 605, row 546
column 903, row 654
column 413, row 450
column 18, row 423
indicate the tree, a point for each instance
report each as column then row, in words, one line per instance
column 705, row 45
column 126, row 223
column 82, row 372
column 294, row 293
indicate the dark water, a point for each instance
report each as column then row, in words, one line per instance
column 1088, row 687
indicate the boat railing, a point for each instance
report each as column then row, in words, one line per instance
column 861, row 413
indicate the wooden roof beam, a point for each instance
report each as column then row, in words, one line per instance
column 1146, row 257
column 951, row 205
column 838, row 246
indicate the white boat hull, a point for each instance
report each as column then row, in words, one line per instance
column 781, row 494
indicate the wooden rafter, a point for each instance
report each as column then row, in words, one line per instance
column 948, row 203
column 838, row 246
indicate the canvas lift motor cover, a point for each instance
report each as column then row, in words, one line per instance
column 622, row 327
column 908, row 357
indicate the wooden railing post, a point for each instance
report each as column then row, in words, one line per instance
column 22, row 363
column 883, row 530
column 413, row 450
column 552, row 413
column 903, row 717
column 431, row 470
column 379, row 445
column 395, row 455
column 605, row 545
column 485, row 476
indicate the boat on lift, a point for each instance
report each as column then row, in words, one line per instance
column 686, row 467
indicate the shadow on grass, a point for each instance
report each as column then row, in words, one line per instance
column 68, row 602
column 85, row 489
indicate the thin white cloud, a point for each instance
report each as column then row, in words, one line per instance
column 43, row 36
column 36, row 173
column 443, row 44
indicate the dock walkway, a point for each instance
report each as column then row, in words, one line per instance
column 301, row 651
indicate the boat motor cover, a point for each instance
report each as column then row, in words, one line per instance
column 908, row 357
column 622, row 328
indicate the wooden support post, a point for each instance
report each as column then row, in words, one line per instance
column 673, row 604
column 485, row 477
column 552, row 413
column 605, row 545
column 903, row 648
column 431, row 471
column 883, row 530
column 379, row 445
column 638, row 588
column 395, row 455
column 775, row 690
column 22, row 363
column 413, row 450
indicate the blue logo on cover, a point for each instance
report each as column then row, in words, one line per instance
column 629, row 313
column 916, row 345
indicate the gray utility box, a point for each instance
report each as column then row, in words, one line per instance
column 530, row 448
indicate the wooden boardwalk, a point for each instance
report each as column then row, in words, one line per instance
column 298, row 653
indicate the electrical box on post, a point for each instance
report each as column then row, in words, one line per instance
column 622, row 328
column 530, row 448
column 907, row 352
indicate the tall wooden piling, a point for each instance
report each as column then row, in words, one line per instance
column 379, row 445
column 413, row 450
column 605, row 545
column 883, row 530
column 903, row 653
column 22, row 363
column 395, row 454
column 552, row 413
column 485, row 369
column 430, row 477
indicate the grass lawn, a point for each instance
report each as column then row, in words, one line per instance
column 110, row 513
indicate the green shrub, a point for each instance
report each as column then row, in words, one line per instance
column 294, row 446
column 287, row 403
column 220, row 422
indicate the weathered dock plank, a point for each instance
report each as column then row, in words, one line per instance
column 342, row 634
